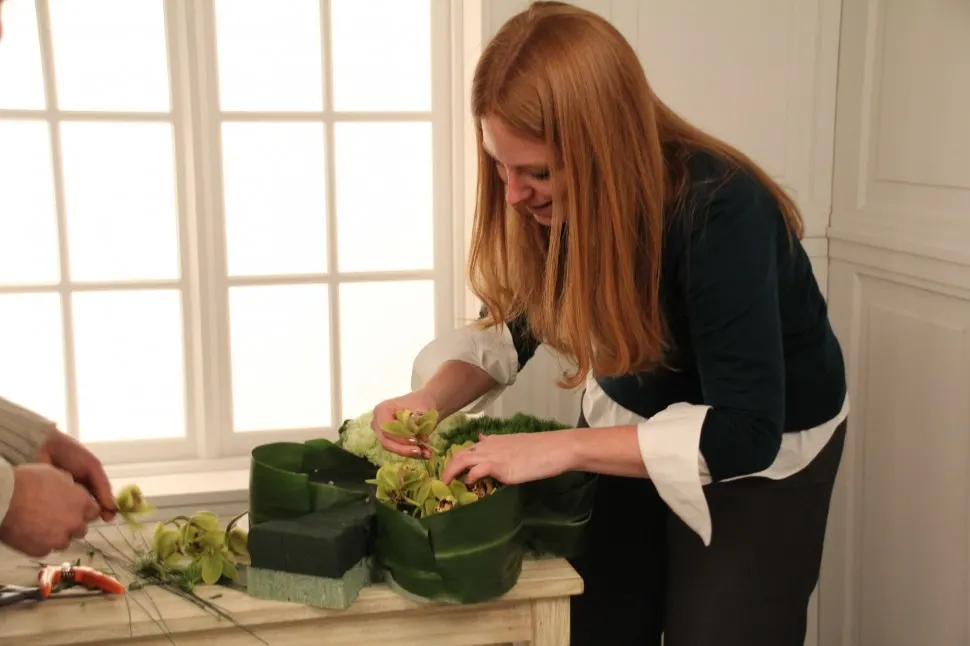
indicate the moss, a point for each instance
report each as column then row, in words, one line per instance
column 518, row 423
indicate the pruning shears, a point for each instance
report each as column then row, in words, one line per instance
column 52, row 579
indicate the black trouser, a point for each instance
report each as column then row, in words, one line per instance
column 646, row 573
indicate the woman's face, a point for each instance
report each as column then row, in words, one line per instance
column 523, row 166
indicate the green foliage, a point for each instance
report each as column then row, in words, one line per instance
column 195, row 549
column 556, row 510
column 416, row 487
column 470, row 429
column 357, row 437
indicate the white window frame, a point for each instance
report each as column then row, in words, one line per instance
column 210, row 446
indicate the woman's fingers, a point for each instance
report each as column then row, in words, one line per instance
column 405, row 442
column 479, row 471
column 393, row 445
column 402, row 446
column 458, row 464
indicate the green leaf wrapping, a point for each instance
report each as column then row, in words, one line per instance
column 557, row 510
column 470, row 554
column 290, row 479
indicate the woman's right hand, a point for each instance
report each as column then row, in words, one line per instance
column 418, row 402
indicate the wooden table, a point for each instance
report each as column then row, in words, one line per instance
column 536, row 611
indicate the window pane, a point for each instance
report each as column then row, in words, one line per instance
column 129, row 365
column 110, row 55
column 21, row 78
column 119, row 181
column 280, row 344
column 384, row 196
column 32, row 352
column 383, row 326
column 275, row 198
column 269, row 57
column 381, row 54
column 28, row 218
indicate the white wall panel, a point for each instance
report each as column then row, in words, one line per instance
column 897, row 569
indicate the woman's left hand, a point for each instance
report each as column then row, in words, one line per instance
column 514, row 459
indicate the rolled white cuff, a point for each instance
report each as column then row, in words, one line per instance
column 491, row 349
column 670, row 449
column 669, row 445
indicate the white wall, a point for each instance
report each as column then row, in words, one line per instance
column 898, row 558
column 862, row 109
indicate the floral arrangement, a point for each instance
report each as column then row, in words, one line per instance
column 452, row 543
column 416, row 488
column 448, row 543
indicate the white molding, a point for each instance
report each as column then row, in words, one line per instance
column 922, row 214
column 208, row 246
column 899, row 247
column 927, row 270
column 875, row 232
column 68, row 116
column 445, row 21
column 333, row 247
column 191, row 490
column 467, row 34
column 57, row 169
column 824, row 71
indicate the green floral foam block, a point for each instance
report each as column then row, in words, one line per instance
column 321, row 592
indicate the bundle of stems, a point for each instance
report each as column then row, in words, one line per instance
column 185, row 552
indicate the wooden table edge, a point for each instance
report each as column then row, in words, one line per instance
column 543, row 583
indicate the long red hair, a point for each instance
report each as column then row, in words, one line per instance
column 564, row 76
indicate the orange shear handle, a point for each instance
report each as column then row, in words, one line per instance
column 91, row 578
column 50, row 577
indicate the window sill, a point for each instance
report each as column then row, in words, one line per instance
column 178, row 488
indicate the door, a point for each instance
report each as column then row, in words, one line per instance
column 896, row 570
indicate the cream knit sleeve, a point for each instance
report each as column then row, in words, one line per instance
column 22, row 432
column 6, row 487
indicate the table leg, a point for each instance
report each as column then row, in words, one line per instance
column 550, row 622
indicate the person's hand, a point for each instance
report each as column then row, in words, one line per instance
column 63, row 451
column 417, row 401
column 47, row 511
column 515, row 458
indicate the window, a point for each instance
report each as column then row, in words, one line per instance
column 222, row 222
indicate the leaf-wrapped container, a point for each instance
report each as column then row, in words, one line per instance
column 469, row 554
column 556, row 511
column 292, row 479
